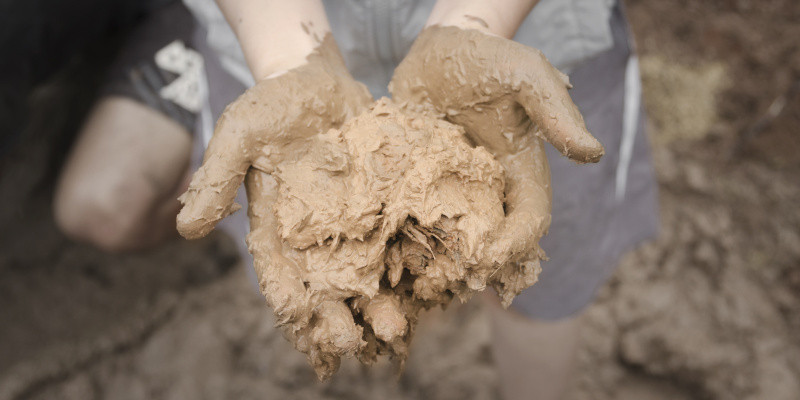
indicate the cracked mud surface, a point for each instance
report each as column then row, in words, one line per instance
column 710, row 309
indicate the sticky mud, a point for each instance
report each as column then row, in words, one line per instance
column 708, row 310
column 393, row 213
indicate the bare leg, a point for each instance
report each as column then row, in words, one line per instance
column 535, row 359
column 118, row 189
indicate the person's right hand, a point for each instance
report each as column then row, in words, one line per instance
column 265, row 126
column 272, row 115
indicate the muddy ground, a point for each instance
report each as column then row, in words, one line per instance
column 708, row 310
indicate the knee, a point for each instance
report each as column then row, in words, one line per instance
column 109, row 217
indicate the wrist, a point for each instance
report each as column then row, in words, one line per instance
column 270, row 61
column 276, row 35
column 501, row 18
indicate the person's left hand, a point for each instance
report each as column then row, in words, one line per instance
column 507, row 97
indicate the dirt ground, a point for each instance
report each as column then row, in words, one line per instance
column 708, row 310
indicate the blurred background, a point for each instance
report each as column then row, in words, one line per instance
column 708, row 310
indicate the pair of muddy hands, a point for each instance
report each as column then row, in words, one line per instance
column 362, row 214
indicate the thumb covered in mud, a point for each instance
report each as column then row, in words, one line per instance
column 543, row 94
column 211, row 193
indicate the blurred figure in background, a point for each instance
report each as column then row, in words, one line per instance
column 119, row 187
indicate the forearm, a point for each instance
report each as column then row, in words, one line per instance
column 501, row 17
column 276, row 35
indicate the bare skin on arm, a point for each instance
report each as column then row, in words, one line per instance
column 276, row 36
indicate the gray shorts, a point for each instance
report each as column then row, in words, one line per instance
column 599, row 210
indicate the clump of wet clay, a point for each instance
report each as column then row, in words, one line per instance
column 386, row 216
